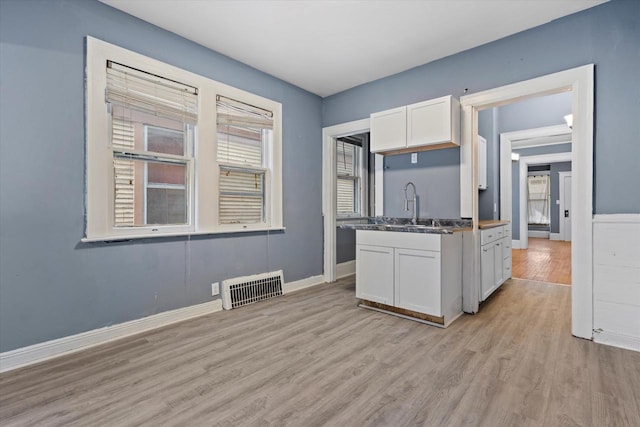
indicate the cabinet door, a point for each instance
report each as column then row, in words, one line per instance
column 487, row 261
column 506, row 255
column 374, row 273
column 417, row 281
column 388, row 130
column 482, row 163
column 506, row 268
column 429, row 122
column 497, row 264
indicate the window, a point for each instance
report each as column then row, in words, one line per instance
column 244, row 136
column 170, row 152
column 538, row 199
column 152, row 121
column 351, row 176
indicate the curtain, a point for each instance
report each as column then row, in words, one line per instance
column 539, row 199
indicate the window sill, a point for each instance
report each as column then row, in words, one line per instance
column 178, row 234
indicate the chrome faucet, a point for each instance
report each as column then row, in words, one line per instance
column 414, row 218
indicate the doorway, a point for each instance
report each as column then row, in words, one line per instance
column 544, row 256
column 330, row 135
column 580, row 82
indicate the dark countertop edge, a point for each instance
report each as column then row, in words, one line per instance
column 491, row 223
column 408, row 229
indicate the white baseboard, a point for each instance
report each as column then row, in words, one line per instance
column 515, row 244
column 617, row 340
column 345, row 269
column 538, row 233
column 554, row 236
column 40, row 352
column 302, row 284
column 616, row 218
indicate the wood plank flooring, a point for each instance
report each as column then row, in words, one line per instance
column 313, row 358
column 545, row 260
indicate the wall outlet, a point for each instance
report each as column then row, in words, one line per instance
column 215, row 289
column 414, row 157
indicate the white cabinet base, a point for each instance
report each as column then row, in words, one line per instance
column 440, row 322
column 415, row 275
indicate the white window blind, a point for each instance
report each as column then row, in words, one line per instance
column 152, row 122
column 348, row 179
column 152, row 94
column 124, row 176
column 244, row 132
column 538, row 199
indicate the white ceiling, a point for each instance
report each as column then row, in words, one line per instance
column 329, row 46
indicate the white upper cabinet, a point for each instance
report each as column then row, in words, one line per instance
column 482, row 163
column 422, row 126
column 388, row 130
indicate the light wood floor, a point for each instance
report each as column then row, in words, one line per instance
column 314, row 358
column 545, row 260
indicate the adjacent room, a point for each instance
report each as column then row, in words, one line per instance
column 317, row 212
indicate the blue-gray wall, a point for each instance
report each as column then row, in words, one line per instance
column 528, row 114
column 51, row 285
column 489, row 199
column 345, row 245
column 555, row 193
column 436, row 176
column 536, row 112
column 515, row 180
column 607, row 36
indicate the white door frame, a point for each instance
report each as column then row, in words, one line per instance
column 525, row 162
column 536, row 137
column 580, row 81
column 329, row 202
column 563, row 228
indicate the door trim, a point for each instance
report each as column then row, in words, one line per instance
column 563, row 227
column 535, row 137
column 329, row 202
column 525, row 162
column 580, row 81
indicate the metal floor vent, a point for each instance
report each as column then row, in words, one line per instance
column 246, row 290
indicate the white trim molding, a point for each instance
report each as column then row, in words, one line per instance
column 538, row 233
column 329, row 203
column 515, row 244
column 580, row 81
column 525, row 162
column 345, row 269
column 616, row 280
column 47, row 350
column 298, row 285
column 554, row 236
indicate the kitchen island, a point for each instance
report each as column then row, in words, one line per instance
column 411, row 271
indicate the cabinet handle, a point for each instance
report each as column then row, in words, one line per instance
column 485, row 250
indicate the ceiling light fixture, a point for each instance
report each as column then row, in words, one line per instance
column 569, row 119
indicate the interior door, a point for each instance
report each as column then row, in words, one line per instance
column 566, row 203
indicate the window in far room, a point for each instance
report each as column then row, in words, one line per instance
column 351, row 176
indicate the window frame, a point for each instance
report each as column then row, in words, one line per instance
column 203, row 192
column 360, row 177
column 188, row 162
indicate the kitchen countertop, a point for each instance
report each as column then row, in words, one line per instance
column 490, row 223
column 430, row 226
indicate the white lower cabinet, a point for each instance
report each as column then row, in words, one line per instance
column 495, row 259
column 376, row 278
column 417, row 281
column 419, row 272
